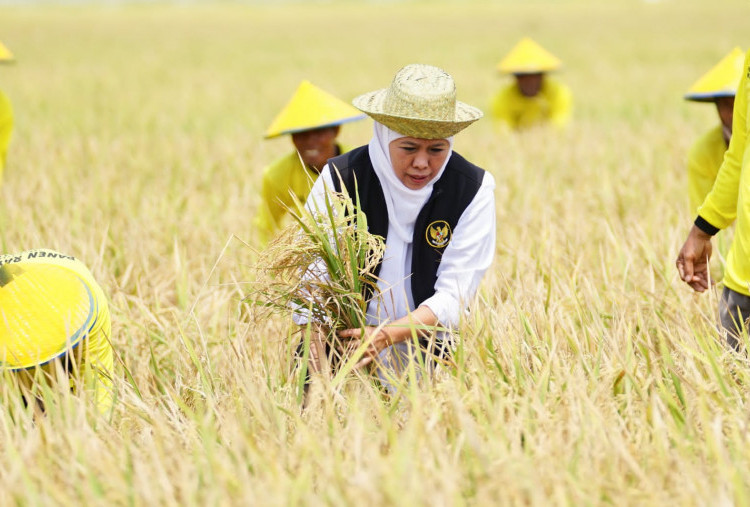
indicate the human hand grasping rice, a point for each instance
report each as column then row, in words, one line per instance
column 379, row 338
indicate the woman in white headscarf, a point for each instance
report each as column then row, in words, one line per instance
column 435, row 209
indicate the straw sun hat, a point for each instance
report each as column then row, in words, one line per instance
column 421, row 102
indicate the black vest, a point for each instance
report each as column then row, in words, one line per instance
column 437, row 219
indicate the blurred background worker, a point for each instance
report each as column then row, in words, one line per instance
column 717, row 86
column 533, row 98
column 313, row 118
column 6, row 114
column 54, row 320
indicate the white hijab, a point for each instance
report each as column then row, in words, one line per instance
column 403, row 203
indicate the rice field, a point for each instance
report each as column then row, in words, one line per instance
column 588, row 373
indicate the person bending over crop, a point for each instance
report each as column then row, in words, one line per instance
column 313, row 118
column 54, row 318
column 728, row 200
column 435, row 209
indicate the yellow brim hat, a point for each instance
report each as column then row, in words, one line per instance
column 721, row 80
column 5, row 55
column 528, row 57
column 45, row 311
column 311, row 108
column 421, row 102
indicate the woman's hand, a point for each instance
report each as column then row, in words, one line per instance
column 318, row 362
column 376, row 338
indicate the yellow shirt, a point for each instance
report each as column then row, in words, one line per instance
column 6, row 127
column 704, row 159
column 552, row 104
column 93, row 355
column 730, row 196
column 285, row 175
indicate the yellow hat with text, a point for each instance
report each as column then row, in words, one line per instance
column 5, row 54
column 528, row 57
column 311, row 108
column 721, row 80
column 45, row 311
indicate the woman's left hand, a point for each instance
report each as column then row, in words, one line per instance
column 377, row 339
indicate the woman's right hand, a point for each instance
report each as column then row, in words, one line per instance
column 318, row 362
column 376, row 338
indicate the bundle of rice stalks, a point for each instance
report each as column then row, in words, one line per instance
column 321, row 266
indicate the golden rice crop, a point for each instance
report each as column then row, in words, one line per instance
column 322, row 264
column 323, row 267
column 586, row 373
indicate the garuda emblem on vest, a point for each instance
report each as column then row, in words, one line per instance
column 438, row 234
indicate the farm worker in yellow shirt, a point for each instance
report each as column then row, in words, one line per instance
column 54, row 317
column 729, row 199
column 313, row 118
column 6, row 114
column 717, row 86
column 533, row 98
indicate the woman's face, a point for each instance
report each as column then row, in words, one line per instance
column 417, row 161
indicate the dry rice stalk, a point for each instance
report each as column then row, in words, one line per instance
column 322, row 265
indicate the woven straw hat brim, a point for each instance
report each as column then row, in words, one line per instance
column 419, row 124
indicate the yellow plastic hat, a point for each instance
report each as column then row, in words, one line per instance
column 528, row 57
column 311, row 108
column 5, row 54
column 45, row 311
column 721, row 80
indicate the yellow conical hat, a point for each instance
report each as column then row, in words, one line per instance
column 721, row 80
column 45, row 310
column 528, row 57
column 5, row 54
column 311, row 108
